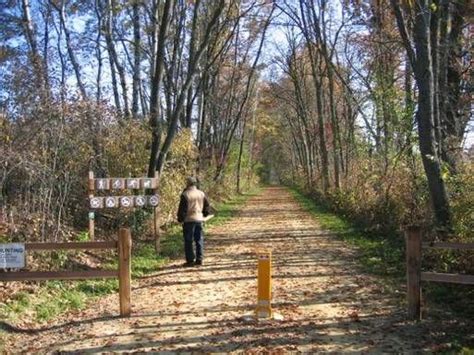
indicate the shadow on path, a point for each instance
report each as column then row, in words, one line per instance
column 328, row 303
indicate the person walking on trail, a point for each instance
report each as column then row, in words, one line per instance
column 193, row 208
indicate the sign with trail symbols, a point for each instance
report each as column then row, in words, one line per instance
column 102, row 184
column 140, row 201
column 122, row 183
column 97, row 202
column 111, row 202
column 113, row 185
column 126, row 201
column 133, row 184
column 153, row 200
column 118, row 184
column 148, row 183
column 12, row 255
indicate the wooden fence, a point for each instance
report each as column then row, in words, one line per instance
column 414, row 247
column 124, row 248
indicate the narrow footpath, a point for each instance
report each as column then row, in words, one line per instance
column 326, row 302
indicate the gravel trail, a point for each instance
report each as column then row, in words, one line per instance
column 327, row 303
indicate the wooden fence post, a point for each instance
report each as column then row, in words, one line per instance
column 91, row 188
column 413, row 260
column 125, row 251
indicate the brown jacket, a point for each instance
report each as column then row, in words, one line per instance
column 193, row 205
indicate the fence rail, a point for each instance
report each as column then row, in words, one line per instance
column 449, row 278
column 72, row 246
column 448, row 245
column 123, row 247
column 57, row 275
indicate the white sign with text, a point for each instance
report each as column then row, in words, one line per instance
column 12, row 255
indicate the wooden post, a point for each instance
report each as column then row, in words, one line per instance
column 91, row 188
column 125, row 251
column 413, row 257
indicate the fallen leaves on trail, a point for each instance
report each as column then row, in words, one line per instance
column 109, row 343
column 354, row 316
column 327, row 304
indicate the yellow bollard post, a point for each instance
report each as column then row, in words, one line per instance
column 264, row 307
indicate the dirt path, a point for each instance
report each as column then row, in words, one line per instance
column 327, row 304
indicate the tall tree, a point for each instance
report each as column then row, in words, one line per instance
column 113, row 56
column 421, row 60
column 136, row 57
column 39, row 65
column 69, row 46
column 158, row 58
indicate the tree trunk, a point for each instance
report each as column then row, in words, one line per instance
column 241, row 152
column 425, row 116
column 159, row 56
column 335, row 126
column 434, row 37
column 192, row 49
column 421, row 61
column 248, row 88
column 98, row 50
column 457, row 107
column 317, row 79
column 113, row 57
column 70, row 50
column 35, row 58
column 192, row 67
column 136, row 57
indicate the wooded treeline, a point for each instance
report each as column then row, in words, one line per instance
column 374, row 102
column 365, row 104
column 124, row 88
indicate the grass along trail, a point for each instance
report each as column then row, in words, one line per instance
column 327, row 302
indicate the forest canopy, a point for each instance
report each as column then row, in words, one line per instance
column 366, row 105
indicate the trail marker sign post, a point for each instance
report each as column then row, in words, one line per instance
column 124, row 201
column 264, row 289
column 263, row 310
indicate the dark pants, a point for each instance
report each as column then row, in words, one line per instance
column 193, row 231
